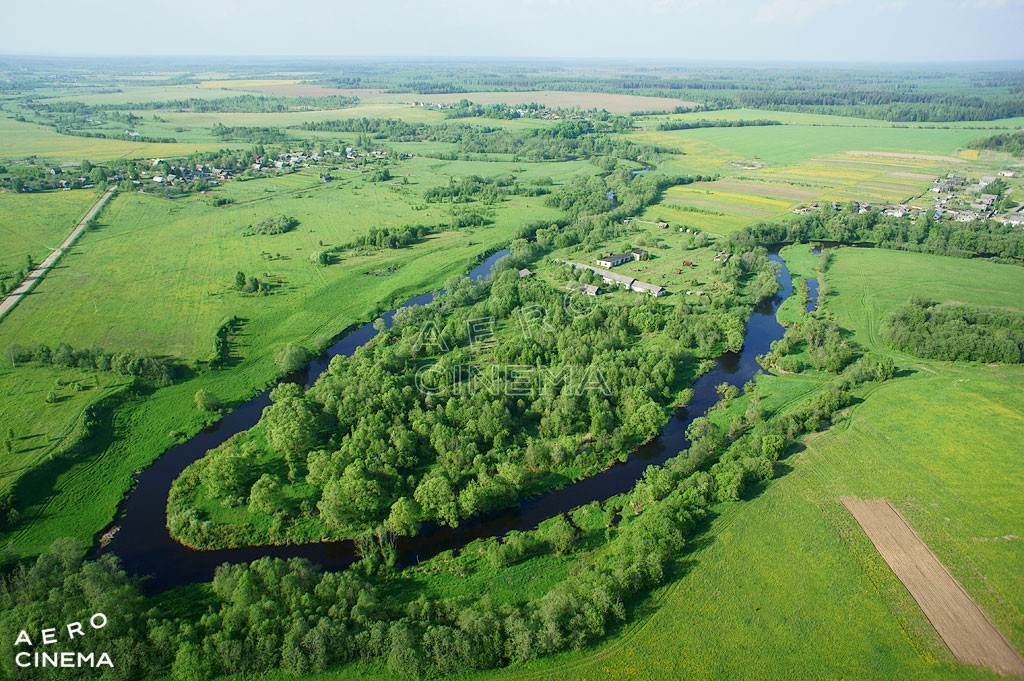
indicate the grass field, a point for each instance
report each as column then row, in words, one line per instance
column 157, row 276
column 108, row 286
column 32, row 224
column 28, row 139
column 39, row 429
column 790, row 580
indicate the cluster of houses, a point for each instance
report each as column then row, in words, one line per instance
column 957, row 198
column 965, row 200
column 185, row 174
column 290, row 160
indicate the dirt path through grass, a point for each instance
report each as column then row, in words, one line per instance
column 31, row 280
column 968, row 632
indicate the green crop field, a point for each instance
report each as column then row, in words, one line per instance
column 788, row 578
column 767, row 171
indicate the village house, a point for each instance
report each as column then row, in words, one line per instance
column 984, row 202
column 524, row 273
column 644, row 287
column 615, row 259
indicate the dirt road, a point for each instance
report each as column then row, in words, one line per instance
column 967, row 631
column 15, row 296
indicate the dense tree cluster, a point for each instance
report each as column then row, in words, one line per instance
column 276, row 224
column 956, row 332
column 235, row 104
column 61, row 588
column 814, row 339
column 392, row 237
column 485, row 189
column 714, row 123
column 464, row 108
column 1010, row 142
column 562, row 141
column 253, row 135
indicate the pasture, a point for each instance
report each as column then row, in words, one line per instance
column 156, row 276
column 32, row 224
column 28, row 139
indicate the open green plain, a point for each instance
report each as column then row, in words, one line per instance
column 788, row 578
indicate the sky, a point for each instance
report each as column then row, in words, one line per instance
column 659, row 30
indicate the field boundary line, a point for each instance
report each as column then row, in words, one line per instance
column 965, row 628
column 51, row 260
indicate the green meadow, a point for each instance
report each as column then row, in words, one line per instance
column 32, row 224
column 118, row 289
column 788, row 578
column 28, row 139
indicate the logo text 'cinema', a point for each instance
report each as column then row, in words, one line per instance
column 46, row 658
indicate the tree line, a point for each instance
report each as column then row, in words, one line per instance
column 158, row 371
column 985, row 239
column 1010, row 142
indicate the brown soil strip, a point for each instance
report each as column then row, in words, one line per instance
column 970, row 635
column 893, row 154
column 772, row 191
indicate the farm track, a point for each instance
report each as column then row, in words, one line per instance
column 966, row 630
column 51, row 260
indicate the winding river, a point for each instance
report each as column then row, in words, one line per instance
column 145, row 546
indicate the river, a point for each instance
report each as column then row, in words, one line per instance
column 145, row 546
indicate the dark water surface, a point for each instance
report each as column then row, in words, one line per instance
column 145, row 546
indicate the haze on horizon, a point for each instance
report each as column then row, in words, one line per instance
column 704, row 30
